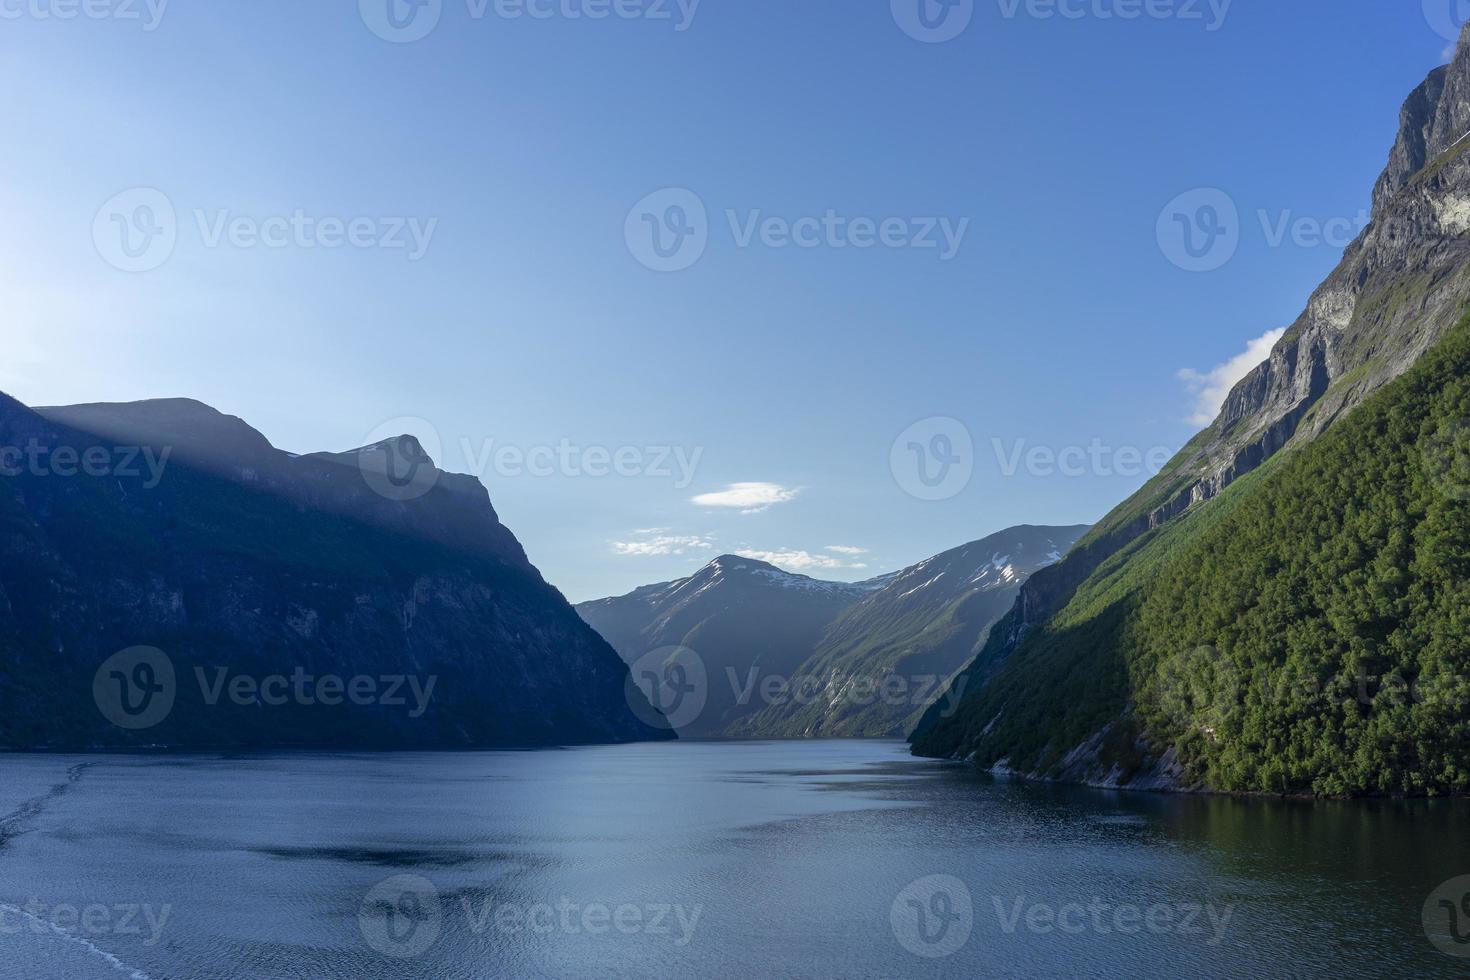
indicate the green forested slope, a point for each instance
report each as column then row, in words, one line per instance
column 1306, row 632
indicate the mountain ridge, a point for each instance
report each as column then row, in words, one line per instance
column 919, row 626
column 748, row 619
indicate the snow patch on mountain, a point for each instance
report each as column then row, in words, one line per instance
column 924, row 585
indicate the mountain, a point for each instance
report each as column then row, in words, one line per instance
column 168, row 578
column 1088, row 679
column 784, row 655
column 739, row 616
column 912, row 632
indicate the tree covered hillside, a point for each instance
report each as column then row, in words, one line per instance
column 1307, row 632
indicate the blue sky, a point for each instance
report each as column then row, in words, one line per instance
column 497, row 292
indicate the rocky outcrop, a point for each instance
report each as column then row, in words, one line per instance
column 1399, row 287
column 1412, row 149
column 1435, row 117
column 1084, row 766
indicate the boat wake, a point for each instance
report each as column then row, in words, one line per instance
column 12, row 825
column 93, row 949
column 15, row 823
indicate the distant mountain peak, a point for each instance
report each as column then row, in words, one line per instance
column 742, row 614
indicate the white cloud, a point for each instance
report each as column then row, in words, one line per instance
column 845, row 549
column 748, row 498
column 799, row 561
column 1211, row 388
column 652, row 543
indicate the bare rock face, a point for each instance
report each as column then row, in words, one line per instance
column 1435, row 117
column 190, row 535
column 1411, row 151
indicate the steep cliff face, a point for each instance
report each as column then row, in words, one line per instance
column 1435, row 117
column 1418, row 133
column 357, row 599
column 1400, row 286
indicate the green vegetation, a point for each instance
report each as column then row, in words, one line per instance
column 1306, row 632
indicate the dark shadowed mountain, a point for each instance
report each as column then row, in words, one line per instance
column 785, row 655
column 167, row 577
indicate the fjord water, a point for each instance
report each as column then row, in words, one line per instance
column 794, row 859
